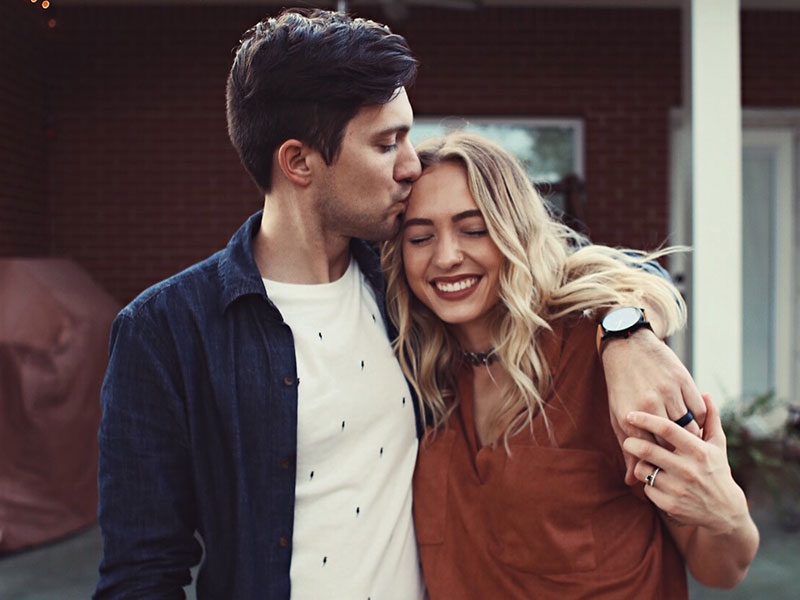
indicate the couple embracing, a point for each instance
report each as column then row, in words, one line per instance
column 271, row 408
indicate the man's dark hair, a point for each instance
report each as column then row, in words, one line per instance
column 304, row 75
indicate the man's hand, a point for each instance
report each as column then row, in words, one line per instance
column 644, row 374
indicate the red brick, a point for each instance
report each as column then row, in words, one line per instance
column 139, row 179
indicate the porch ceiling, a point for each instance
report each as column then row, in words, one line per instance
column 464, row 4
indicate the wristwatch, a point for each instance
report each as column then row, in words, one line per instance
column 621, row 323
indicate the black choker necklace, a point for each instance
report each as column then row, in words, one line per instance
column 478, row 359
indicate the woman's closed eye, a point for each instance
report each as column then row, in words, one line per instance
column 415, row 240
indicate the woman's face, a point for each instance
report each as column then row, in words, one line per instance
column 451, row 263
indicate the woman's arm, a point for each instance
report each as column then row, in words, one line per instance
column 705, row 509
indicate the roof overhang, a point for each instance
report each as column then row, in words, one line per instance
column 457, row 4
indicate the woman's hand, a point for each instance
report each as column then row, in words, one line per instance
column 694, row 484
column 710, row 521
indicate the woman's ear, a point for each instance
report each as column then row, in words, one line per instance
column 293, row 160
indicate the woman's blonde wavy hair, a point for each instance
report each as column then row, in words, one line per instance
column 550, row 271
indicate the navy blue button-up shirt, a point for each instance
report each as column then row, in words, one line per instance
column 199, row 433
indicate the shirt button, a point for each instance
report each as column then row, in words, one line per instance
column 284, row 541
column 288, row 381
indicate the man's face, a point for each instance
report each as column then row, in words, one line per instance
column 364, row 191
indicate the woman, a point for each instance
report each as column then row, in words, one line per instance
column 519, row 488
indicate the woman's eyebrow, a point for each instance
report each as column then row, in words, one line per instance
column 417, row 221
column 456, row 217
column 467, row 214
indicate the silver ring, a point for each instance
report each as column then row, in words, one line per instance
column 651, row 479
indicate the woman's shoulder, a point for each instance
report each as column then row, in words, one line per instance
column 573, row 335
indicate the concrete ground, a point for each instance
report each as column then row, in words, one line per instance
column 67, row 569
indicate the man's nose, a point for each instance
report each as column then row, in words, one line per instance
column 408, row 165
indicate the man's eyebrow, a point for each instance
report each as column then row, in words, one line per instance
column 392, row 130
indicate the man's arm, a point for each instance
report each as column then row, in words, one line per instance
column 644, row 374
column 147, row 510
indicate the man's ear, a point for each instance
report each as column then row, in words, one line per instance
column 293, row 160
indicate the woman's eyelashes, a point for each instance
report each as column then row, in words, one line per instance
column 418, row 239
column 415, row 240
column 476, row 232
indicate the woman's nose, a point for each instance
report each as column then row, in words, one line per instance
column 448, row 254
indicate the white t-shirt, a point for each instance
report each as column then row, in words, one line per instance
column 356, row 447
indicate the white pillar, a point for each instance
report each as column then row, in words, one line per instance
column 716, row 197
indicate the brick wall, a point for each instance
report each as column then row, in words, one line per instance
column 143, row 180
column 23, row 204
column 771, row 59
column 619, row 70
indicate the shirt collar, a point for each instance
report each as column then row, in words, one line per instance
column 239, row 274
column 237, row 268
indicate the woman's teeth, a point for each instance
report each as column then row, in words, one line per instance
column 456, row 286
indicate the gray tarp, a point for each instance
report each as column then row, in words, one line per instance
column 54, row 326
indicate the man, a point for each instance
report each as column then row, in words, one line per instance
column 254, row 398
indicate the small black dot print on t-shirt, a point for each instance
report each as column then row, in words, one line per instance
column 362, row 365
column 312, row 475
column 373, row 319
column 342, row 425
column 324, row 560
column 381, row 451
column 404, row 400
column 319, row 333
column 358, row 510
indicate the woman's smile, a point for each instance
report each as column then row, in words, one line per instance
column 455, row 288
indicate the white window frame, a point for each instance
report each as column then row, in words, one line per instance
column 574, row 123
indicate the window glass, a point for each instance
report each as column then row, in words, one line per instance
column 551, row 150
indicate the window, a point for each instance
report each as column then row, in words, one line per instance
column 551, row 150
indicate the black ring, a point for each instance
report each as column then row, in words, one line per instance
column 685, row 419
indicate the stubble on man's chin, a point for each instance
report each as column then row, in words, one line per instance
column 382, row 233
column 379, row 232
column 364, row 228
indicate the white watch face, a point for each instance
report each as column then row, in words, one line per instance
column 621, row 319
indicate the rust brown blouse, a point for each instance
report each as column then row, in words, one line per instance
column 553, row 520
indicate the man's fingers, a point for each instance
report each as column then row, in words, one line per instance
column 686, row 399
column 623, row 430
column 694, row 428
column 713, row 431
column 663, row 429
column 695, row 403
